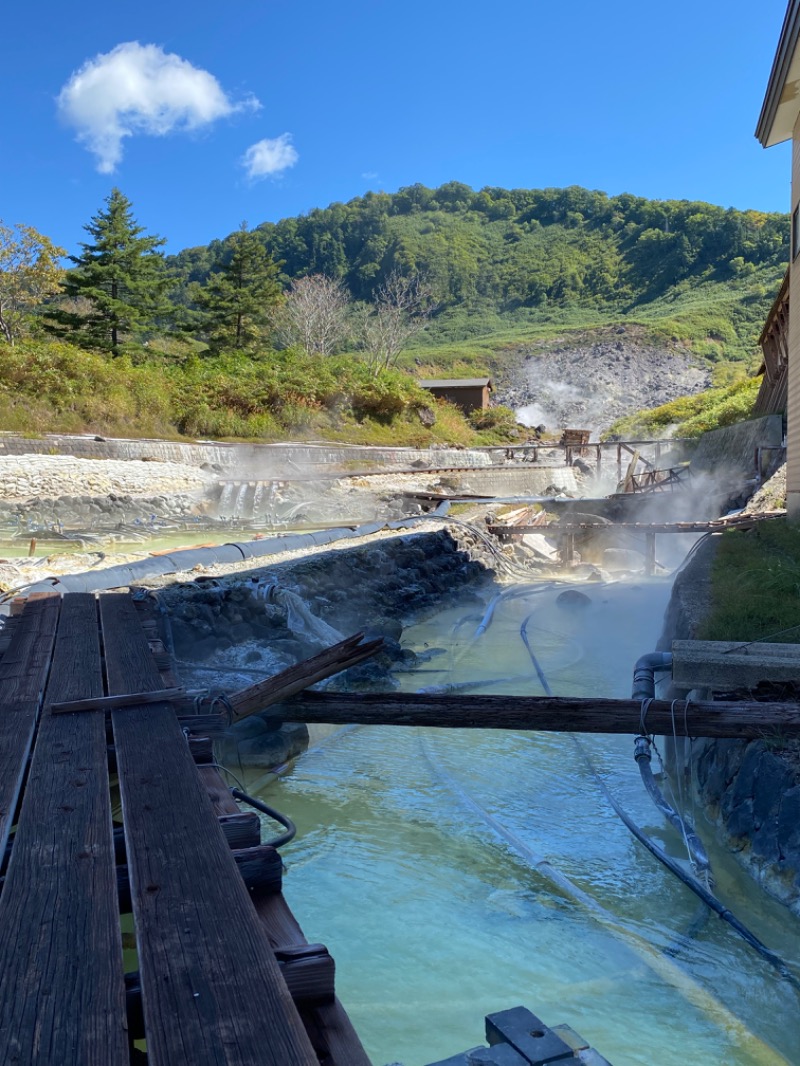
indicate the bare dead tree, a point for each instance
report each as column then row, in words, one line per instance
column 401, row 310
column 315, row 314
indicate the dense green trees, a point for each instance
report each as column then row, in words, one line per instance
column 240, row 295
column 117, row 286
column 507, row 249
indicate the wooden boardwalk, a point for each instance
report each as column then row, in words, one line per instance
column 224, row 976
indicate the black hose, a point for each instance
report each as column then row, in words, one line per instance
column 697, row 850
column 674, row 867
column 281, row 819
column 523, row 632
column 705, row 894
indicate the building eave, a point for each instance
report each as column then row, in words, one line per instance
column 780, row 110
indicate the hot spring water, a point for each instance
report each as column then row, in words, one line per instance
column 416, row 854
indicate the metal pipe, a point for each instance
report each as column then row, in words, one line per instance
column 644, row 679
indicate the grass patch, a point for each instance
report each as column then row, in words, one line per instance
column 755, row 585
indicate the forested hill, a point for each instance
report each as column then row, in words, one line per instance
column 500, row 257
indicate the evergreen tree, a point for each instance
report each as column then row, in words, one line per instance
column 238, row 299
column 117, row 284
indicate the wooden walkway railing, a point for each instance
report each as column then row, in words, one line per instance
column 209, row 985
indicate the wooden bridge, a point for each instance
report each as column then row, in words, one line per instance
column 220, row 972
column 568, row 530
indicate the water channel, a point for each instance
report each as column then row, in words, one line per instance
column 413, row 863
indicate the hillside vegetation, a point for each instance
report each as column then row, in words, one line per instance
column 54, row 387
column 690, row 416
column 227, row 341
column 511, row 264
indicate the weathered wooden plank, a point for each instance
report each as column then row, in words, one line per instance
column 242, row 830
column 62, row 995
column 211, row 987
column 327, row 1024
column 549, row 714
column 23, row 676
column 201, row 748
column 294, row 679
column 261, row 868
column 107, row 703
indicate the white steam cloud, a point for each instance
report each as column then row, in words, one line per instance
column 269, row 157
column 140, row 89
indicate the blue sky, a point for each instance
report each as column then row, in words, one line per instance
column 206, row 115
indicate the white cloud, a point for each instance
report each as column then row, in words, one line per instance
column 140, row 88
column 369, row 175
column 269, row 157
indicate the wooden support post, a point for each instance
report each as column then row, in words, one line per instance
column 650, row 554
column 567, row 549
column 619, row 463
column 599, row 460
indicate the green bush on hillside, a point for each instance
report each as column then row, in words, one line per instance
column 691, row 416
column 49, row 386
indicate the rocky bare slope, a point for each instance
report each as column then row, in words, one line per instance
column 589, row 380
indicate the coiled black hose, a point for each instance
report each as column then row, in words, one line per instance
column 281, row 819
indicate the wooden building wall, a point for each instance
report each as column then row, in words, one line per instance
column 793, row 394
column 774, row 341
column 467, row 398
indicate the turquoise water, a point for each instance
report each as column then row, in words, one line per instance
column 437, row 917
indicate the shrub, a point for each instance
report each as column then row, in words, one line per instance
column 498, row 417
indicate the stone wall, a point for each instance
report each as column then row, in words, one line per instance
column 227, row 626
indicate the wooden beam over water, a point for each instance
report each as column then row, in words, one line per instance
column 548, row 714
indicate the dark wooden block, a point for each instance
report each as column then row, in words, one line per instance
column 308, row 970
column 528, row 1034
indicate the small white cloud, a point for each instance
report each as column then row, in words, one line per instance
column 269, row 157
column 369, row 175
column 140, row 88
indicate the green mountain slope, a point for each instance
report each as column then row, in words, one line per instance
column 509, row 265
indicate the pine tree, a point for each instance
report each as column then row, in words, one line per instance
column 238, row 299
column 118, row 282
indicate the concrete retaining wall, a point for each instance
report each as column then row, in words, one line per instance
column 249, row 460
column 734, row 447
